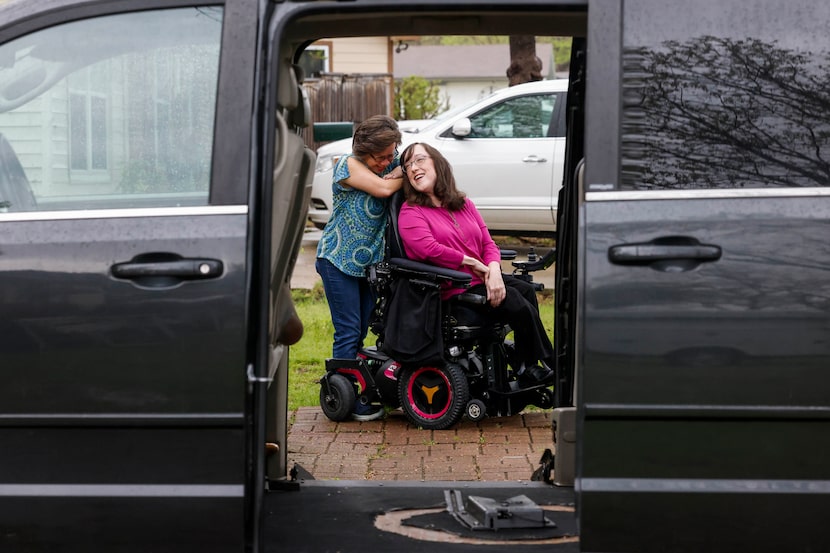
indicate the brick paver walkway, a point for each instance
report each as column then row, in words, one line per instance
column 494, row 449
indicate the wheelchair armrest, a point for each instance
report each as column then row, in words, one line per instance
column 431, row 272
column 507, row 255
column 475, row 299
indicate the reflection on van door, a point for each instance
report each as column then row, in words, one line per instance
column 705, row 397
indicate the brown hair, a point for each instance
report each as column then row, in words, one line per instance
column 445, row 190
column 374, row 135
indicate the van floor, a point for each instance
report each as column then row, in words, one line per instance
column 328, row 516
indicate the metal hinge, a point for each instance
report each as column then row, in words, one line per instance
column 252, row 379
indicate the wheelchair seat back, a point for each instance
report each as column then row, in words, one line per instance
column 464, row 315
column 394, row 245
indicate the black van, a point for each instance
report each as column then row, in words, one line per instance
column 153, row 190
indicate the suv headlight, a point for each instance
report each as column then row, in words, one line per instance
column 325, row 162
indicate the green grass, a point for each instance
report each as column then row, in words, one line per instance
column 308, row 356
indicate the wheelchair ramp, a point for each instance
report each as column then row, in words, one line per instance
column 402, row 517
column 382, row 486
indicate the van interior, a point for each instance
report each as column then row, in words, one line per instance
column 299, row 27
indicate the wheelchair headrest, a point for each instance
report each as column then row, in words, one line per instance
column 394, row 245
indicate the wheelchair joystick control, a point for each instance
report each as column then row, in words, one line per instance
column 531, row 255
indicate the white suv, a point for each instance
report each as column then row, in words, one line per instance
column 506, row 150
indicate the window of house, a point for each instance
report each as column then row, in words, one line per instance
column 315, row 59
column 88, row 100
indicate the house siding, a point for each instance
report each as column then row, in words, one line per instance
column 361, row 55
column 464, row 73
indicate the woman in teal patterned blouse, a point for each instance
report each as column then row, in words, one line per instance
column 354, row 235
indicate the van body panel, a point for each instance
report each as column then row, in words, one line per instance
column 147, row 247
column 702, row 363
column 124, row 267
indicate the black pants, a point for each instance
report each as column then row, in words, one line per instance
column 521, row 311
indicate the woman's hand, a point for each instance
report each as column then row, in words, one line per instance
column 478, row 267
column 396, row 173
column 494, row 283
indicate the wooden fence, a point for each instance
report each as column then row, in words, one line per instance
column 341, row 97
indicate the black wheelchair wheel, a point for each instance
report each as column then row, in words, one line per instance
column 434, row 398
column 337, row 397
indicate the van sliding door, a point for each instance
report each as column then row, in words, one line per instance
column 704, row 389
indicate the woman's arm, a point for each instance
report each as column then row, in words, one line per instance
column 491, row 254
column 362, row 178
column 477, row 266
column 489, row 250
column 494, row 283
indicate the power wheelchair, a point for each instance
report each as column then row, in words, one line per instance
column 477, row 376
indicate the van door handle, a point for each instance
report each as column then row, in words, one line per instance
column 186, row 268
column 165, row 269
column 534, row 159
column 672, row 253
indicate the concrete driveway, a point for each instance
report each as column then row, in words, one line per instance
column 304, row 275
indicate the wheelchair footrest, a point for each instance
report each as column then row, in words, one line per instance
column 334, row 364
column 516, row 389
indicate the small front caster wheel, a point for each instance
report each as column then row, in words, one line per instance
column 337, row 397
column 476, row 410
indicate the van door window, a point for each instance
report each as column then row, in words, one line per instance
column 736, row 101
column 109, row 112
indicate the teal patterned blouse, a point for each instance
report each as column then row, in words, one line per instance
column 354, row 236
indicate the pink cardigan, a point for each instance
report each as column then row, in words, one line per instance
column 440, row 237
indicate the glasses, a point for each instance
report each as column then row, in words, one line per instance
column 387, row 158
column 417, row 160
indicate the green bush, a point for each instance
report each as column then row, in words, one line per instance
column 418, row 98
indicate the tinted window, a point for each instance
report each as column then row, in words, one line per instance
column 726, row 95
column 315, row 60
column 110, row 112
column 521, row 117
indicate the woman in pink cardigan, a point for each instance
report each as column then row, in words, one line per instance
column 438, row 224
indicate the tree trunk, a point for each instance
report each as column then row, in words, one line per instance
column 525, row 66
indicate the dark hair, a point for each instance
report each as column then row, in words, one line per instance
column 445, row 190
column 374, row 135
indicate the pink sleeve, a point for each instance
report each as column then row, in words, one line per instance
column 489, row 250
column 419, row 239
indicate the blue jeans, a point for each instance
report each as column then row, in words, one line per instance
column 351, row 302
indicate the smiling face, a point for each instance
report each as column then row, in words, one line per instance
column 380, row 161
column 375, row 142
column 420, row 171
